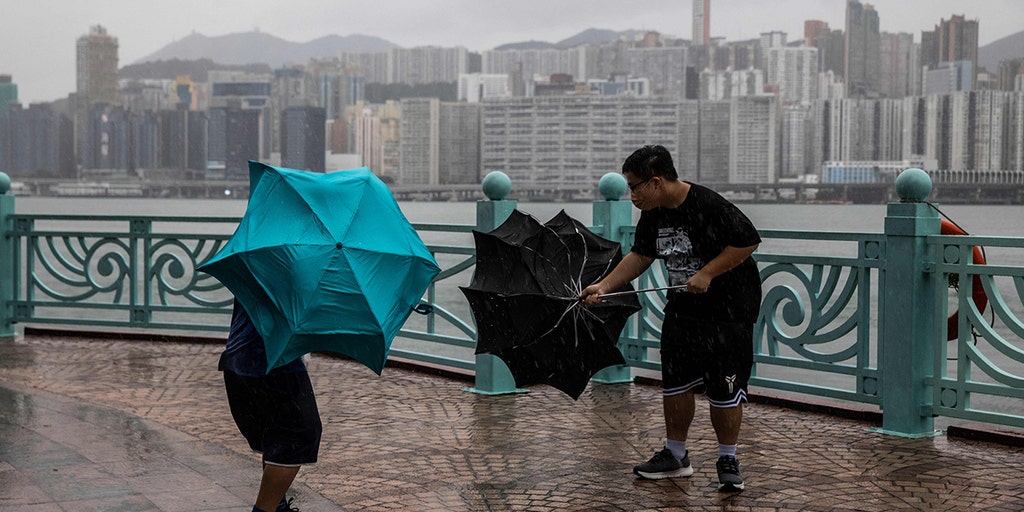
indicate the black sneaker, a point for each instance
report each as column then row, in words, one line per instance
column 286, row 505
column 729, row 475
column 664, row 465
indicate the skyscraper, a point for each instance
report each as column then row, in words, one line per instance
column 702, row 22
column 96, row 80
column 8, row 91
column 97, row 66
column 302, row 138
column 951, row 41
column 863, row 43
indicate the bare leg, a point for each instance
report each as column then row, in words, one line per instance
column 276, row 481
column 726, row 421
column 679, row 410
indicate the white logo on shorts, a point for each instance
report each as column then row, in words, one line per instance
column 730, row 380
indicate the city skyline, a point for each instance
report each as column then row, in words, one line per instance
column 47, row 72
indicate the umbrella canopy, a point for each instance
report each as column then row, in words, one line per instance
column 324, row 262
column 524, row 299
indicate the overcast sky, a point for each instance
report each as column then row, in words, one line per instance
column 37, row 37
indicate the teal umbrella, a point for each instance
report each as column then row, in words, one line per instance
column 324, row 262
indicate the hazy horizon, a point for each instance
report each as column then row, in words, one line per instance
column 45, row 70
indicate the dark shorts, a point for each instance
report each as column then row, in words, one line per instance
column 278, row 416
column 714, row 358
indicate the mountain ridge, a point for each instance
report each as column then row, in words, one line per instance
column 255, row 47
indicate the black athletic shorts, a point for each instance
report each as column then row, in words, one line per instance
column 278, row 416
column 714, row 358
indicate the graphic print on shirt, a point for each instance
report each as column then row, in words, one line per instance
column 674, row 246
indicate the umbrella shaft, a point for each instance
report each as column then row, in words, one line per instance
column 628, row 292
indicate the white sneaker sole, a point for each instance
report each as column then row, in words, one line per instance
column 687, row 471
column 731, row 487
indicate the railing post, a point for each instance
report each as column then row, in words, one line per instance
column 613, row 214
column 906, row 313
column 492, row 376
column 7, row 269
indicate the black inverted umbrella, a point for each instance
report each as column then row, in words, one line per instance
column 524, row 297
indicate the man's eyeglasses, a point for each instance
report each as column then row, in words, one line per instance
column 636, row 186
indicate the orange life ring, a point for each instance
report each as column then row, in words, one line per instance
column 977, row 290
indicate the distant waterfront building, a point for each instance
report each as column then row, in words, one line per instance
column 723, row 85
column 664, row 67
column 981, row 124
column 948, row 77
column 420, row 141
column 704, row 141
column 234, row 137
column 863, row 48
column 36, row 141
column 871, row 171
column 702, row 22
column 8, row 91
column 813, row 29
column 182, row 141
column 620, row 84
column 773, row 39
column 795, row 144
column 954, row 40
column 459, row 143
column 861, row 129
column 106, row 143
column 96, row 71
column 474, row 87
column 752, row 140
column 95, row 78
column 899, row 65
column 427, row 64
column 232, row 91
column 525, row 64
column 572, row 140
column 795, row 71
column 302, row 138
column 831, row 45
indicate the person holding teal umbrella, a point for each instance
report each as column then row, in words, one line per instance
column 319, row 262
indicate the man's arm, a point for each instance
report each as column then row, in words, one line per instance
column 727, row 260
column 631, row 266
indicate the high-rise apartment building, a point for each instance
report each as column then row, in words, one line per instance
column 752, row 140
column 572, row 140
column 704, row 141
column 427, row 64
column 664, row 67
column 474, row 87
column 952, row 40
column 863, row 47
column 420, row 139
column 723, row 85
column 459, row 143
column 795, row 71
column 813, row 29
column 302, row 138
column 702, row 22
column 96, row 71
column 899, row 67
column 36, row 141
column 526, row 64
column 8, row 91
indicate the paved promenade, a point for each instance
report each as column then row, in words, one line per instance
column 89, row 424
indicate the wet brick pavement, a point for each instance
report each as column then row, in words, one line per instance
column 89, row 424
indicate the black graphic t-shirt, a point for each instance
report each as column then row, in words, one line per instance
column 688, row 237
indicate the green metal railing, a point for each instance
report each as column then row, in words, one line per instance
column 863, row 319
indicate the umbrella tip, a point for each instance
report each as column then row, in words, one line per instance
column 338, row 245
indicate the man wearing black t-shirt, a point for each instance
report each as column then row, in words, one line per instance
column 707, row 335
